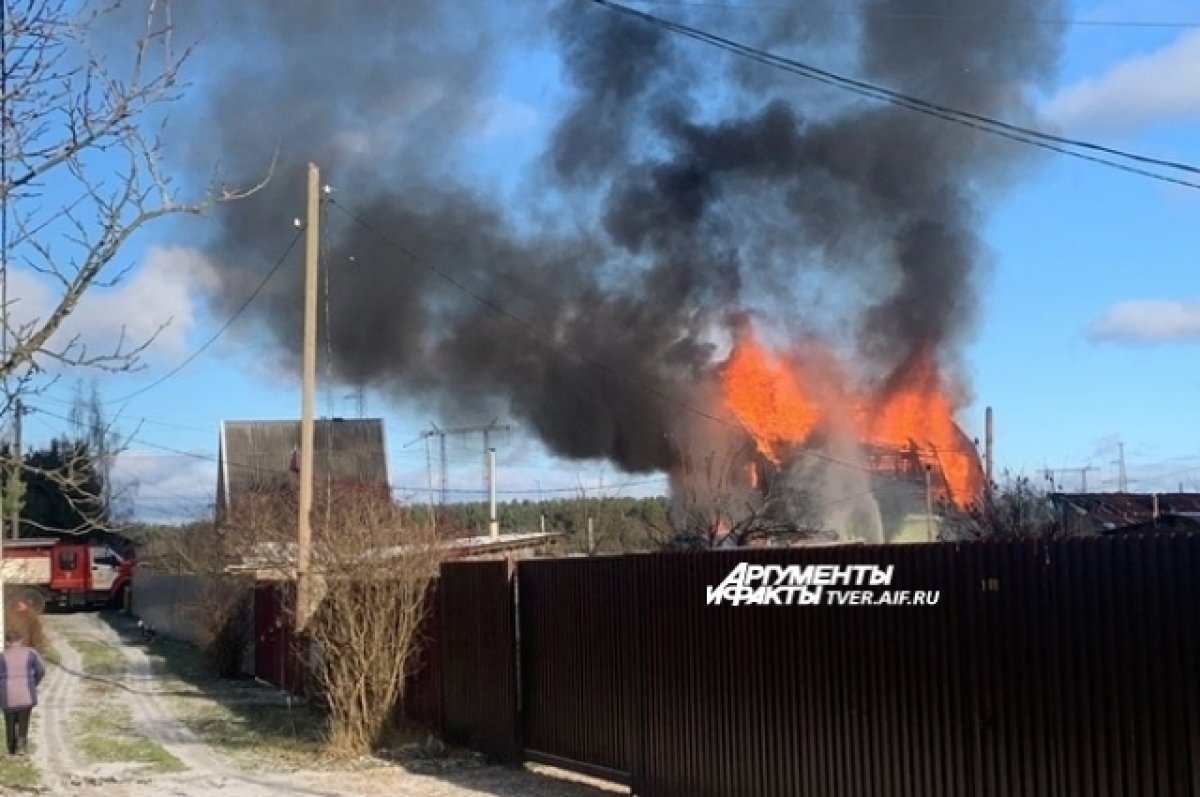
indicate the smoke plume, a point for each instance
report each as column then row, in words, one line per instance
column 673, row 187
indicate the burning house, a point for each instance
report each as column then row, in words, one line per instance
column 870, row 456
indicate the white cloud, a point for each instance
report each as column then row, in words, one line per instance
column 162, row 290
column 1161, row 86
column 165, row 487
column 1148, row 321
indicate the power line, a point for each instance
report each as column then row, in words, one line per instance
column 1025, row 135
column 282, row 469
column 933, row 16
column 141, row 420
column 220, row 331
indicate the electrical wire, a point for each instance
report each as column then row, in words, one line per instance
column 1048, row 141
column 259, row 467
column 220, row 331
column 931, row 16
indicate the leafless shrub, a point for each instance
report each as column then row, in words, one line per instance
column 1017, row 508
column 219, row 608
column 372, row 578
column 372, row 568
column 223, row 613
column 717, row 503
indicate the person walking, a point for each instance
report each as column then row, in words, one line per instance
column 21, row 670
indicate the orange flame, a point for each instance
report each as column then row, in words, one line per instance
column 782, row 402
column 766, row 397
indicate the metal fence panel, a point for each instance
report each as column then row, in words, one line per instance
column 479, row 657
column 1045, row 668
column 1127, row 669
column 792, row 700
column 577, row 678
column 423, row 683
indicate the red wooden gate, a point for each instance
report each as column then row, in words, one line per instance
column 278, row 658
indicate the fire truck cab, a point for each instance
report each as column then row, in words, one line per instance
column 64, row 573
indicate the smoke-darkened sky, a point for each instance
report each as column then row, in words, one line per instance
column 673, row 187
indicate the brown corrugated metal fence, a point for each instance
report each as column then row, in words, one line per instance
column 479, row 657
column 583, row 668
column 423, row 685
column 1063, row 669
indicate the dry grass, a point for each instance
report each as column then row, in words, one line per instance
column 106, row 735
column 99, row 658
column 240, row 718
column 18, row 774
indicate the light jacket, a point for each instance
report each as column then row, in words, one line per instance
column 21, row 670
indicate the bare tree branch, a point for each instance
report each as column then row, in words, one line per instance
column 716, row 506
column 83, row 162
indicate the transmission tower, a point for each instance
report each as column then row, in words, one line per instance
column 486, row 430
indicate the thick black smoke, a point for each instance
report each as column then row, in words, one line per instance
column 696, row 185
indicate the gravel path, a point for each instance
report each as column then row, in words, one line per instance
column 54, row 754
column 207, row 771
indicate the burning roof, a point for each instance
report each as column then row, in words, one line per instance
column 805, row 401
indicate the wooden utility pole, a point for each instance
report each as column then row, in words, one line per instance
column 304, row 583
column 14, row 477
column 1122, row 478
column 493, row 521
column 928, row 503
column 987, row 454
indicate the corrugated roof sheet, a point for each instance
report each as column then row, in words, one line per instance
column 1115, row 510
column 257, row 455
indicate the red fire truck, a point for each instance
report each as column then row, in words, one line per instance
column 48, row 571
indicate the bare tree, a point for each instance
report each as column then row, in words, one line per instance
column 91, row 427
column 717, row 504
column 1017, row 508
column 82, row 172
column 68, row 486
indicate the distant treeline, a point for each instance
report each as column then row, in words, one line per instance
column 619, row 524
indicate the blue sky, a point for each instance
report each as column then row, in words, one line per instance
column 1088, row 332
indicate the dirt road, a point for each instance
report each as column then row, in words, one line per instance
column 132, row 701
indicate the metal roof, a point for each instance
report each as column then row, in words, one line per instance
column 258, row 455
column 1115, row 510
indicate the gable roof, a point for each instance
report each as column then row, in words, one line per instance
column 257, row 455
